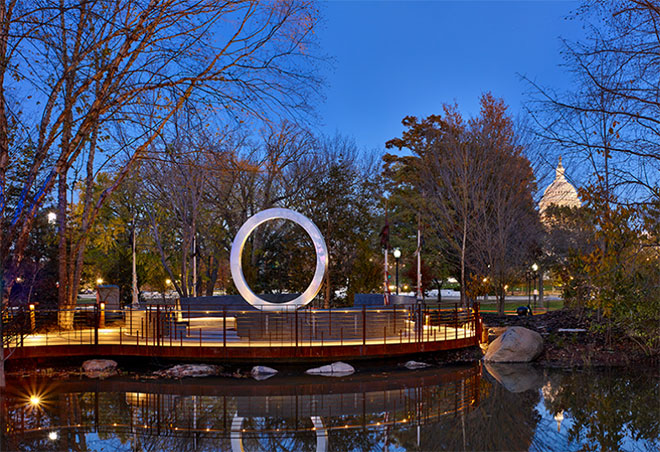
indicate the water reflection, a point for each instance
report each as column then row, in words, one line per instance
column 457, row 408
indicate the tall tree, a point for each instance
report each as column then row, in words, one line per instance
column 608, row 124
column 342, row 199
column 104, row 79
column 477, row 186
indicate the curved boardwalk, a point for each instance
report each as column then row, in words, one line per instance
column 307, row 335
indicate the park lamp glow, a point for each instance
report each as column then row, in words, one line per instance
column 168, row 282
column 396, row 253
column 53, row 436
column 34, row 400
column 535, row 267
column 99, row 281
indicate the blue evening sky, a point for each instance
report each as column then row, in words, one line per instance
column 398, row 58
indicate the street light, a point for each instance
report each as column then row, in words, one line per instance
column 397, row 255
column 535, row 269
column 99, row 281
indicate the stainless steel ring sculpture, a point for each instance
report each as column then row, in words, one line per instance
column 237, row 251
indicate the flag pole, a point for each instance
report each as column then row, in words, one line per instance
column 420, row 295
column 385, row 244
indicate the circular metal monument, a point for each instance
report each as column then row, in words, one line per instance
column 237, row 251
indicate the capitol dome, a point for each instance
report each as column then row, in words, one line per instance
column 560, row 192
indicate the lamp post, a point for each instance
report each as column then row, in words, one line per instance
column 535, row 269
column 528, row 276
column 397, row 255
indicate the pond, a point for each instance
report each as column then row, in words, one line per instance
column 475, row 407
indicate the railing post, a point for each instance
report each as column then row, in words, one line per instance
column 101, row 315
column 158, row 325
column 455, row 320
column 475, row 320
column 364, row 325
column 224, row 326
column 96, row 324
column 295, row 319
column 33, row 320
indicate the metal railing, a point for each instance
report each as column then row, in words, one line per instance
column 165, row 325
column 15, row 325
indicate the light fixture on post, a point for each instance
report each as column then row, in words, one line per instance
column 535, row 269
column 397, row 255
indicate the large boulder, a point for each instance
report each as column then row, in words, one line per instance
column 337, row 369
column 516, row 377
column 189, row 370
column 100, row 368
column 516, row 345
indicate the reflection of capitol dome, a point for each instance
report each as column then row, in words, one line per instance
column 560, row 192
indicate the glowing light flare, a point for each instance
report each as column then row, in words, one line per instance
column 53, row 436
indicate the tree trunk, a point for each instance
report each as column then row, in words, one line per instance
column 212, row 273
column 65, row 313
column 3, row 383
column 463, row 245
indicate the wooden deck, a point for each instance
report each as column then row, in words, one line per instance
column 248, row 336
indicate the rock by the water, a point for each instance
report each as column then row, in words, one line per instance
column 337, row 369
column 262, row 372
column 189, row 370
column 416, row 365
column 516, row 345
column 516, row 377
column 100, row 368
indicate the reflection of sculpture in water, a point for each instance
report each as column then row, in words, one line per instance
column 319, row 430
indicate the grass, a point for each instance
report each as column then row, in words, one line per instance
column 511, row 305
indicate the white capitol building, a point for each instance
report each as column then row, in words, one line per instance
column 560, row 192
